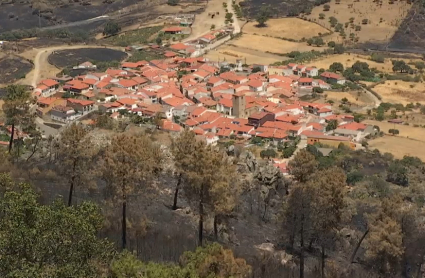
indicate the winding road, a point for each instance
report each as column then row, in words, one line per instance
column 41, row 61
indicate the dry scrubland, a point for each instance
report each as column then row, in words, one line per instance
column 347, row 60
column 352, row 97
column 289, row 28
column 392, row 15
column 417, row 133
column 398, row 91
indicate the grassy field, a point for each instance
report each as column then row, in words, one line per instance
column 401, row 92
column 284, row 28
column 383, row 20
column 143, row 35
column 399, row 146
column 272, row 45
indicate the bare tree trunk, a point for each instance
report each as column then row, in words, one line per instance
column 71, row 187
column 302, row 248
column 124, row 222
column 176, row 192
column 11, row 137
column 201, row 216
column 35, row 148
column 419, row 272
column 215, row 226
column 358, row 246
column 323, row 261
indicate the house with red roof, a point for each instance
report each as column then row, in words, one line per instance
column 170, row 126
column 45, row 104
column 47, row 87
column 305, row 82
column 225, row 106
column 331, row 77
column 172, row 30
column 63, row 114
column 82, row 106
column 128, row 84
column 255, row 85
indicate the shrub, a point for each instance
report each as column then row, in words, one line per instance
column 377, row 57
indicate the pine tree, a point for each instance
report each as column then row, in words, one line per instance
column 17, row 103
column 128, row 164
column 75, row 161
column 303, row 165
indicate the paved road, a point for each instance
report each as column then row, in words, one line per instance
column 77, row 23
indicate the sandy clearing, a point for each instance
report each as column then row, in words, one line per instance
column 397, row 91
column 203, row 21
column 399, row 146
column 284, row 28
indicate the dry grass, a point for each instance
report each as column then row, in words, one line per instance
column 401, row 92
column 203, row 21
column 399, row 146
column 407, row 131
column 273, row 45
column 392, row 15
column 351, row 96
column 284, row 28
column 231, row 53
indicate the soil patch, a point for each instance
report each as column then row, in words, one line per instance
column 284, row 28
column 73, row 57
column 13, row 68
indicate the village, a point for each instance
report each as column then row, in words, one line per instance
column 219, row 101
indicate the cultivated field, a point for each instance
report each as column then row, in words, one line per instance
column 231, row 54
column 272, row 45
column 383, row 20
column 284, row 28
column 399, row 146
column 398, row 91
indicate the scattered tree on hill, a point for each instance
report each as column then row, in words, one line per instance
column 75, row 154
column 365, row 21
column 326, row 8
column 377, row 57
column 173, row 2
column 210, row 185
column 303, row 165
column 321, row 16
column 329, row 187
column 358, row 28
column 16, row 107
column 331, row 44
column 111, row 28
column 128, row 164
column 351, row 19
column 400, row 65
column 263, row 16
column 182, row 148
column 393, row 131
column 336, row 67
column 256, row 69
column 214, row 261
column 397, row 174
column 333, row 21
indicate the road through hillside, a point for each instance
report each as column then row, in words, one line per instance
column 41, row 62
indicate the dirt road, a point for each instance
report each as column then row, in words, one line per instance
column 42, row 68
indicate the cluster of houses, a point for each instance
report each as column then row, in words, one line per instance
column 213, row 100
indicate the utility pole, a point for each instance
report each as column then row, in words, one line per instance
column 39, row 19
